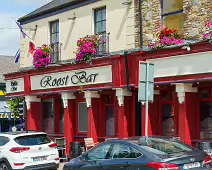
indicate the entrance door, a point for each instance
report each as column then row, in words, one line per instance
column 167, row 120
column 48, row 118
column 110, row 121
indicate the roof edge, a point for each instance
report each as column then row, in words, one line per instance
column 22, row 19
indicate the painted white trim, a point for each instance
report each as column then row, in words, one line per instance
column 120, row 94
column 29, row 99
column 88, row 95
column 182, row 88
column 67, row 96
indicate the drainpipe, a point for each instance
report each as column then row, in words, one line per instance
column 127, row 70
column 139, row 105
column 141, row 25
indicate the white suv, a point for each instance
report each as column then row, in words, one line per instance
column 27, row 150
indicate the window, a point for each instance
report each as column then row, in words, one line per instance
column 121, row 151
column 54, row 40
column 99, row 153
column 100, row 20
column 83, row 117
column 172, row 14
column 100, row 27
column 3, row 140
column 32, row 140
column 61, row 117
column 162, row 147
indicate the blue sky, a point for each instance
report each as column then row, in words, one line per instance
column 10, row 9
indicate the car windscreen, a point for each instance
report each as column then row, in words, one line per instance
column 164, row 146
column 31, row 140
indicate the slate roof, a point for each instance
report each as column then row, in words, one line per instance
column 7, row 65
column 51, row 6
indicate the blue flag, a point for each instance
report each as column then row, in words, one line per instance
column 22, row 30
column 17, row 56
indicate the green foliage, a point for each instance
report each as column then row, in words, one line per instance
column 13, row 104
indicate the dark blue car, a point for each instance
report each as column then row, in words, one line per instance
column 141, row 153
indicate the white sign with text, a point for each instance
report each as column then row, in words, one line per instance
column 15, row 85
column 95, row 75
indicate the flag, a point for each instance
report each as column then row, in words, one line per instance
column 22, row 30
column 17, row 56
column 31, row 47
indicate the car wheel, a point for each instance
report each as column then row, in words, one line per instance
column 4, row 166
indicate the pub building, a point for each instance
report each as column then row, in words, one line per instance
column 99, row 100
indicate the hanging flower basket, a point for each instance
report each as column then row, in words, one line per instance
column 41, row 57
column 87, row 47
column 207, row 31
column 166, row 37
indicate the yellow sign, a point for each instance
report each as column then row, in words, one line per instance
column 2, row 93
column 5, row 115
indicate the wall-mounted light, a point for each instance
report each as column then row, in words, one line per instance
column 127, row 3
column 73, row 18
column 188, row 48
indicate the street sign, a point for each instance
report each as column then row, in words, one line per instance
column 146, row 80
column 146, row 88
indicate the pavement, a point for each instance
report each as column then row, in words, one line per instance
column 61, row 166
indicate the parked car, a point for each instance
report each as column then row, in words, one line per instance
column 141, row 153
column 27, row 150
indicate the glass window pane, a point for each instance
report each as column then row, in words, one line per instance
column 48, row 117
column 206, row 120
column 110, row 121
column 172, row 5
column 54, row 38
column 99, row 153
column 98, row 27
column 57, row 26
column 83, row 117
column 204, row 93
column 104, row 14
column 168, row 120
column 165, row 95
column 98, row 15
column 121, row 151
column 103, row 26
column 174, row 21
column 53, row 27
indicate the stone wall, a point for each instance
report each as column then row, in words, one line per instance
column 196, row 14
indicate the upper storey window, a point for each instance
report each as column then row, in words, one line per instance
column 54, row 40
column 172, row 14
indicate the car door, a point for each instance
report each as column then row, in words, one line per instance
column 119, row 158
column 123, row 157
column 93, row 157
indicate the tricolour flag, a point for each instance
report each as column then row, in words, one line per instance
column 22, row 30
column 31, row 47
column 17, row 56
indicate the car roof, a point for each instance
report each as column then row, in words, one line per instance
column 138, row 139
column 20, row 133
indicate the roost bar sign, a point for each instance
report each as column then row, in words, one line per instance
column 96, row 75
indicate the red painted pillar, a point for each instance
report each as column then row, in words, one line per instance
column 123, row 129
column 188, row 106
column 188, row 117
column 93, row 102
column 133, row 114
column 93, row 112
column 69, row 124
column 57, row 110
column 122, row 123
column 34, row 117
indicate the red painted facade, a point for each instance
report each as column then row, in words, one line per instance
column 186, row 115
